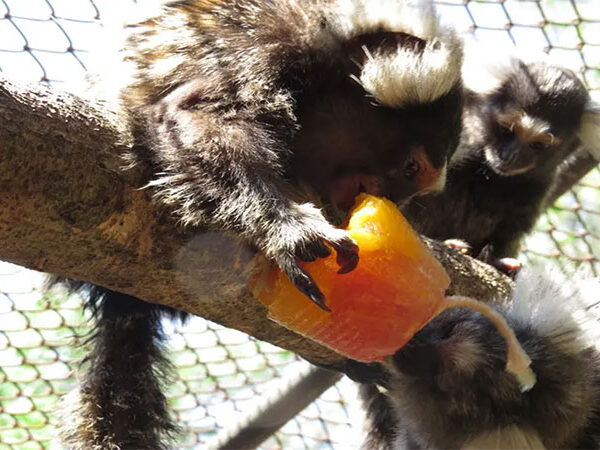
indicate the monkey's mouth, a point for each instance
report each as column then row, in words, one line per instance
column 344, row 189
column 506, row 168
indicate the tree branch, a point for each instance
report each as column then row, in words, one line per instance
column 570, row 173
column 68, row 208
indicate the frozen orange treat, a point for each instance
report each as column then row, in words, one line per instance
column 397, row 287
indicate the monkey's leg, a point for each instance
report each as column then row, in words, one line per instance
column 120, row 404
column 508, row 266
column 226, row 174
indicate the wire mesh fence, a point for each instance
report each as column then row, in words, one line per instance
column 222, row 374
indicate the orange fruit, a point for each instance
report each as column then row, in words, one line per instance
column 397, row 287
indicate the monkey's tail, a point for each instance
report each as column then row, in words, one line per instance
column 119, row 403
column 381, row 422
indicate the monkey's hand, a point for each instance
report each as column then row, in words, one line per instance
column 306, row 236
column 508, row 266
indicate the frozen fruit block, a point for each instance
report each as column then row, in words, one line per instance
column 396, row 288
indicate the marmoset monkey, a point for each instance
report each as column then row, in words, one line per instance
column 254, row 117
column 514, row 139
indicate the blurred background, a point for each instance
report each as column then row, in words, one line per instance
column 223, row 375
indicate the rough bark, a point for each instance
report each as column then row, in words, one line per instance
column 67, row 207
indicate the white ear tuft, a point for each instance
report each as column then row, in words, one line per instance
column 407, row 75
column 483, row 73
column 487, row 66
column 563, row 309
column 589, row 131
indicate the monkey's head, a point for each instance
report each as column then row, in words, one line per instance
column 531, row 122
column 450, row 387
column 383, row 114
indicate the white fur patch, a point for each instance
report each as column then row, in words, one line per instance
column 534, row 125
column 508, row 438
column 406, row 76
column 589, row 132
column 565, row 310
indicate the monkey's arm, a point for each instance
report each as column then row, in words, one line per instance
column 224, row 173
column 503, row 246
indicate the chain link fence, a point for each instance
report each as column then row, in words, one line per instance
column 223, row 374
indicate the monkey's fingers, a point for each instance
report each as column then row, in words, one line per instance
column 347, row 255
column 458, row 245
column 509, row 266
column 314, row 250
column 305, row 284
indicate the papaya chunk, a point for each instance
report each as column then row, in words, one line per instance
column 397, row 287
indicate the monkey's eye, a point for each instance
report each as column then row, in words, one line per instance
column 538, row 146
column 411, row 168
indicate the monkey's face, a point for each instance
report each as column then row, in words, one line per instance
column 348, row 144
column 517, row 142
column 532, row 120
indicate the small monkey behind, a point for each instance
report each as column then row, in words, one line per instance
column 515, row 138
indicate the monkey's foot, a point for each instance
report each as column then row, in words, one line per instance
column 458, row 245
column 508, row 266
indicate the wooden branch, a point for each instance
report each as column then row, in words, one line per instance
column 574, row 170
column 67, row 207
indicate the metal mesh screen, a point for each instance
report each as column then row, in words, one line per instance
column 221, row 373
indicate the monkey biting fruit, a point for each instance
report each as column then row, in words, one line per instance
column 253, row 116
column 448, row 388
column 514, row 139
column 243, row 106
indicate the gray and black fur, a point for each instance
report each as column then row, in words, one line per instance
column 119, row 403
column 448, row 388
column 251, row 116
column 515, row 137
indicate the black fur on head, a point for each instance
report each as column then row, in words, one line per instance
column 532, row 119
column 521, row 123
column 448, row 387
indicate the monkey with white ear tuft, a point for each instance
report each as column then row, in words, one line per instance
column 240, row 104
column 448, row 388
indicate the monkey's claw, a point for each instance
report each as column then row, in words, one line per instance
column 347, row 255
column 508, row 266
column 304, row 283
column 308, row 287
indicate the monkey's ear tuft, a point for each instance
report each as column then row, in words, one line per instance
column 414, row 74
column 589, row 132
column 483, row 72
column 569, row 313
column 424, row 63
